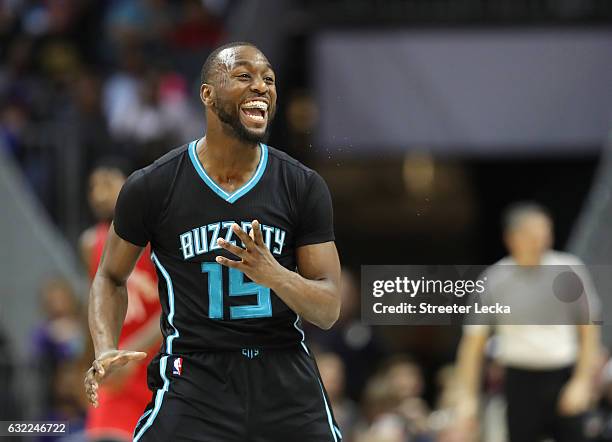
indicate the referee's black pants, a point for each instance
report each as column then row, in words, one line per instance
column 532, row 398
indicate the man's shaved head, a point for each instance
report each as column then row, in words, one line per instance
column 214, row 59
column 239, row 92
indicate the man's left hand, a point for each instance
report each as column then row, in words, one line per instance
column 256, row 261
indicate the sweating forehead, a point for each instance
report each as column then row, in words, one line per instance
column 229, row 58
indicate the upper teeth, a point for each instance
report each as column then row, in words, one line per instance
column 256, row 104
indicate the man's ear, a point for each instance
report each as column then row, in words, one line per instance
column 207, row 94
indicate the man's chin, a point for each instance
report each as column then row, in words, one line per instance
column 251, row 136
column 238, row 129
column 258, row 136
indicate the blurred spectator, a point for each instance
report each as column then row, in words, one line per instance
column 9, row 13
column 353, row 341
column 50, row 17
column 159, row 118
column 393, row 410
column 197, row 27
column 58, row 341
column 18, row 89
column 405, row 377
column 381, row 423
column 13, row 121
column 142, row 21
column 61, row 64
column 70, row 401
column 197, row 31
column 406, row 383
column 93, row 136
column 333, row 373
column 103, row 187
column 443, row 421
column 63, row 95
column 122, row 86
column 86, row 132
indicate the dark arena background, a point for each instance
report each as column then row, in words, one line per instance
column 426, row 118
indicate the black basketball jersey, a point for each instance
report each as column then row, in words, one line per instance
column 179, row 209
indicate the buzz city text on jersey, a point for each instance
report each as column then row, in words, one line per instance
column 203, row 239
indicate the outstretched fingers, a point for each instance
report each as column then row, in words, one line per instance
column 246, row 239
column 127, row 356
column 256, row 232
column 233, row 249
column 91, row 387
column 230, row 263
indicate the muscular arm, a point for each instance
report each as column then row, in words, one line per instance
column 314, row 292
column 107, row 308
column 108, row 295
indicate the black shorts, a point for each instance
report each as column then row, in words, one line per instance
column 248, row 395
column 532, row 411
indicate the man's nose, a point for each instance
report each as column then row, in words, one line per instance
column 259, row 85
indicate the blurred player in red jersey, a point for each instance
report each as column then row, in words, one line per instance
column 125, row 396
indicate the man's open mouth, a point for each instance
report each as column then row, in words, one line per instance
column 255, row 110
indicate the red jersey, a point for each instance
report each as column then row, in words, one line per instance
column 120, row 409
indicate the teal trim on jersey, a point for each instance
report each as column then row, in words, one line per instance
column 295, row 324
column 229, row 197
column 139, row 421
column 263, row 161
column 143, row 416
column 330, row 420
column 337, row 430
column 159, row 397
column 163, row 271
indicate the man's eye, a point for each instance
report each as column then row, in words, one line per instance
column 244, row 76
column 269, row 80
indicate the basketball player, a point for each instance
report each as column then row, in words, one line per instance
column 229, row 220
column 123, row 397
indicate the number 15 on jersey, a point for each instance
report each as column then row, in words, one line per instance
column 237, row 287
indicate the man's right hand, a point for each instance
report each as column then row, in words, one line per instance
column 103, row 366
